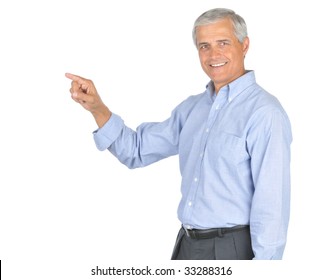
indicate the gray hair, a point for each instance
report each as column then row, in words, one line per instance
column 215, row 15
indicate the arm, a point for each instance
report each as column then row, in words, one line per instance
column 149, row 143
column 269, row 146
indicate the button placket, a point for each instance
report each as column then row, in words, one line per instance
column 215, row 109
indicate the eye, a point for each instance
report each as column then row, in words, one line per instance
column 223, row 43
column 203, row 46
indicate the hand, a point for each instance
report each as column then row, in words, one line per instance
column 83, row 91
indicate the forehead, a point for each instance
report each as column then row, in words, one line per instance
column 222, row 29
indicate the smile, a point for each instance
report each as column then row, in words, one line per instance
column 218, row 64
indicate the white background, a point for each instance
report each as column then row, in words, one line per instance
column 65, row 207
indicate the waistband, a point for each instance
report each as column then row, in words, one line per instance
column 211, row 233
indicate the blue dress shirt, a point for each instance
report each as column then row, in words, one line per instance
column 234, row 153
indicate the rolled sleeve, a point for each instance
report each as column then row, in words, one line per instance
column 108, row 133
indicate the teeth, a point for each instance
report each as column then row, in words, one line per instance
column 217, row 65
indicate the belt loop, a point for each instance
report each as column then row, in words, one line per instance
column 186, row 230
column 220, row 233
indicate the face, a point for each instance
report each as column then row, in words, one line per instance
column 221, row 54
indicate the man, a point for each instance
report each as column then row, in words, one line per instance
column 233, row 143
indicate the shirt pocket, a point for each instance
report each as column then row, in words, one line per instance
column 232, row 148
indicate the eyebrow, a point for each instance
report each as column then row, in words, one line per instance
column 203, row 43
column 217, row 41
column 223, row 40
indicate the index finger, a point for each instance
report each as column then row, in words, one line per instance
column 75, row 78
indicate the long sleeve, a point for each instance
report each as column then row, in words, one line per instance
column 269, row 146
column 149, row 143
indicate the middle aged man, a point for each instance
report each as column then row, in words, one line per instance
column 233, row 142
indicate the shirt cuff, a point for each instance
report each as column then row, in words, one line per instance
column 108, row 133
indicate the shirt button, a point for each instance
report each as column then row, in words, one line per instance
column 190, row 203
column 195, row 179
column 217, row 107
column 207, row 130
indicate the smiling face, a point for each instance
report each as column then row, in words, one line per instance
column 221, row 54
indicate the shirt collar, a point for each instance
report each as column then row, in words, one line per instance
column 235, row 87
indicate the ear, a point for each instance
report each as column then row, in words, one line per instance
column 245, row 45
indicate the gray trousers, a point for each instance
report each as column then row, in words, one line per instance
column 230, row 246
